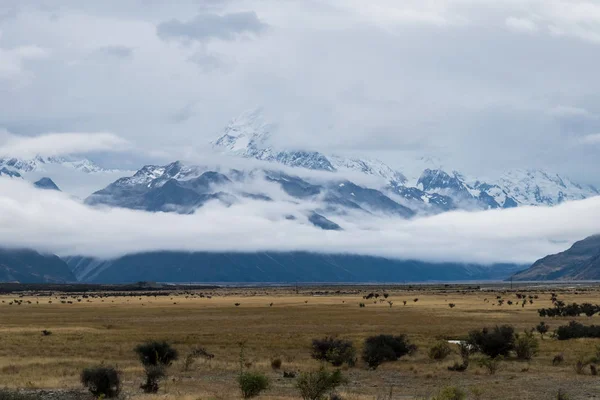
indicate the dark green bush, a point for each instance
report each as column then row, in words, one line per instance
column 156, row 353
column 575, row 330
column 498, row 341
column 102, row 381
column 334, row 351
column 382, row 348
column 315, row 385
column 252, row 384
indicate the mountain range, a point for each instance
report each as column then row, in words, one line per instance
column 287, row 175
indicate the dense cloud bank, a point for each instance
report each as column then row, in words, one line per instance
column 55, row 222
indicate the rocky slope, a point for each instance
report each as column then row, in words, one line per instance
column 580, row 262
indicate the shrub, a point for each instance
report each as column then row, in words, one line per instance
column 334, row 351
column 276, row 363
column 156, row 353
column 378, row 349
column 526, row 346
column 579, row 367
column 491, row 364
column 154, row 373
column 191, row 357
column 558, row 359
column 252, row 384
column 102, row 381
column 542, row 328
column 451, row 393
column 315, row 385
column 440, row 350
column 575, row 330
column 495, row 342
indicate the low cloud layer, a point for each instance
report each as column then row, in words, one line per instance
column 55, row 222
column 58, row 144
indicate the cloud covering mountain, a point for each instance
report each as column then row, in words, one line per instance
column 53, row 221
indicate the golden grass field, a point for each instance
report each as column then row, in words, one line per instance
column 105, row 330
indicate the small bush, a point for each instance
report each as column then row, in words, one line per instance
column 542, row 328
column 451, row 393
column 334, row 351
column 156, row 353
column 579, row 367
column 102, row 381
column 499, row 341
column 315, row 385
column 440, row 350
column 526, row 346
column 491, row 364
column 558, row 359
column 252, row 384
column 276, row 363
column 382, row 348
column 154, row 373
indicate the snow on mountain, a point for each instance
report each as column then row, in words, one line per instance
column 40, row 164
column 535, row 186
column 249, row 136
column 424, row 180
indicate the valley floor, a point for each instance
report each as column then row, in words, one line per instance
column 91, row 330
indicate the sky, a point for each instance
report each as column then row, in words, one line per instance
column 484, row 85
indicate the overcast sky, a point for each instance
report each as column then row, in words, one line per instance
column 485, row 85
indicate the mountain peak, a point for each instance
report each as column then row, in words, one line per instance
column 47, row 184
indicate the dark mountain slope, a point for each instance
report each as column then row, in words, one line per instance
column 274, row 267
column 28, row 266
column 580, row 262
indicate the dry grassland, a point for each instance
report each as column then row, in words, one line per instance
column 105, row 330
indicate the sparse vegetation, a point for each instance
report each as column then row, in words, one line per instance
column 491, row 364
column 315, row 385
column 451, row 393
column 526, row 346
column 440, row 351
column 252, row 384
column 542, row 328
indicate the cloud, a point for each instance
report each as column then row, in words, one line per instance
column 57, row 223
column 570, row 112
column 56, row 144
column 211, row 26
column 591, row 139
column 12, row 61
column 122, row 52
column 521, row 25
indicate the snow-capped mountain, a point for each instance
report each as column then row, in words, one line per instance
column 40, row 164
column 424, row 182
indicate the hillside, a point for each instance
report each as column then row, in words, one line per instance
column 28, row 266
column 580, row 262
